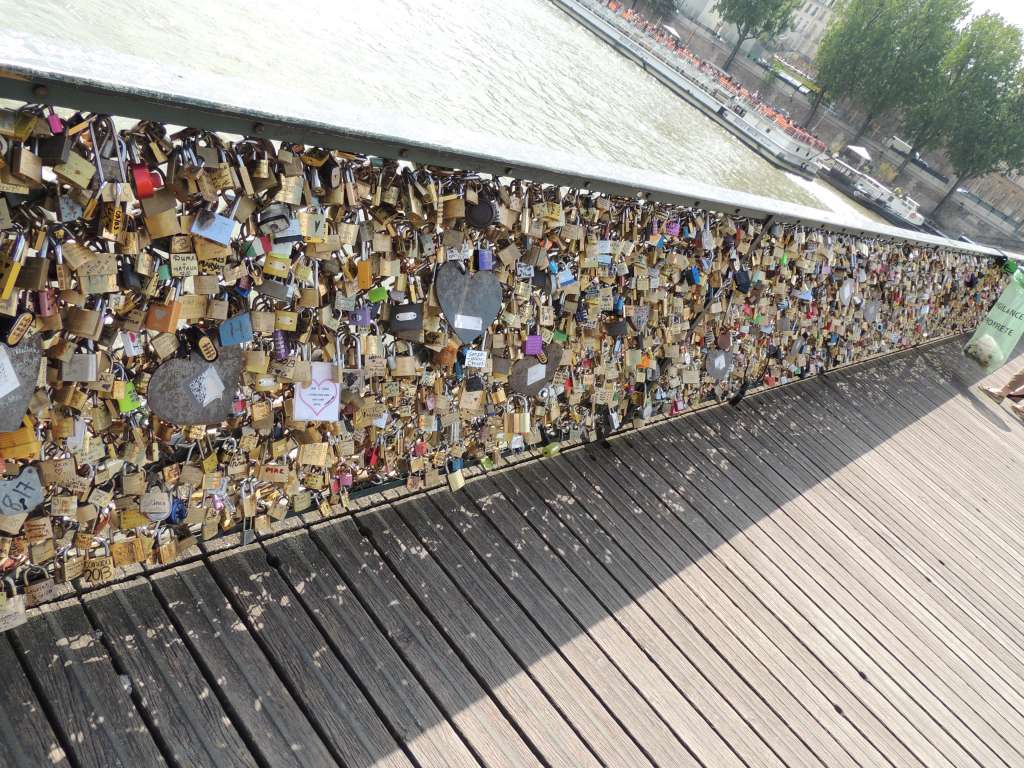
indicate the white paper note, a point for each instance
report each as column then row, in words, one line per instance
column 536, row 373
column 207, row 386
column 476, row 358
column 469, row 322
column 320, row 399
column 8, row 377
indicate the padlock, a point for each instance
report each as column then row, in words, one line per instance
column 164, row 316
column 12, row 606
column 99, row 567
column 86, row 323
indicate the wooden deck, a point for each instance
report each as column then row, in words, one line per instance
column 829, row 575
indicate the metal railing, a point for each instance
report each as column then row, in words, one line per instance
column 36, row 81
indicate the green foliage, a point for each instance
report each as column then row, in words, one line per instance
column 663, row 9
column 762, row 19
column 979, row 63
column 983, row 124
column 882, row 54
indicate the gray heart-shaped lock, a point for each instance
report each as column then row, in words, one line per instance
column 529, row 375
column 19, row 496
column 193, row 391
column 470, row 302
column 19, row 370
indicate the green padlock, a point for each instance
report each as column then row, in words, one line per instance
column 130, row 401
column 377, row 294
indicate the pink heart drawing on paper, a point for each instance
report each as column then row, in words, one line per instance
column 318, row 395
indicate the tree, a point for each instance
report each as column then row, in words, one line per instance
column 763, row 19
column 968, row 63
column 662, row 10
column 880, row 53
column 984, row 128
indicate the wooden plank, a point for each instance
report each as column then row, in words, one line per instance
column 255, row 697
column 560, row 655
column 642, row 520
column 913, row 603
column 715, row 732
column 306, row 660
column 938, row 496
column 993, row 582
column 746, row 510
column 992, row 585
column 388, row 680
column 908, row 544
column 537, row 484
column 842, row 587
column 92, row 709
column 935, row 415
column 518, row 693
column 887, row 549
column 732, row 666
column 926, row 520
column 469, row 704
column 171, row 688
column 813, row 657
column 606, row 585
column 27, row 739
column 900, row 714
column 858, row 514
column 943, row 408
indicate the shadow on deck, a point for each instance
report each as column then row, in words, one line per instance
column 827, row 575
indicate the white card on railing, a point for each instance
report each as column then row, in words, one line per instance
column 320, row 399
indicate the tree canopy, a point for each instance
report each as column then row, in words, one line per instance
column 982, row 101
column 762, row 19
column 663, row 9
column 883, row 54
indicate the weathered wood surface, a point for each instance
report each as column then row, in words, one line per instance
column 169, row 685
column 26, row 738
column 831, row 574
column 259, row 702
column 90, row 704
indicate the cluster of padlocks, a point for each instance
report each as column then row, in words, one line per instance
column 202, row 335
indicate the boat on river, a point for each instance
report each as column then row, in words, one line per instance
column 706, row 88
column 847, row 174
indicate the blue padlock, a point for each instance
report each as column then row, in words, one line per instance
column 178, row 511
column 484, row 259
column 236, row 330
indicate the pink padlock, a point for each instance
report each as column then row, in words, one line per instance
column 46, row 302
column 55, row 123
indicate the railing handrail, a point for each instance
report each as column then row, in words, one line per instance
column 374, row 135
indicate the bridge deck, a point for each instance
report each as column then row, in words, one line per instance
column 829, row 575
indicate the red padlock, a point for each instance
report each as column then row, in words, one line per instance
column 146, row 181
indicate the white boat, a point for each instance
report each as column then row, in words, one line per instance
column 895, row 206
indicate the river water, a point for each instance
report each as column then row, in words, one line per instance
column 519, row 70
